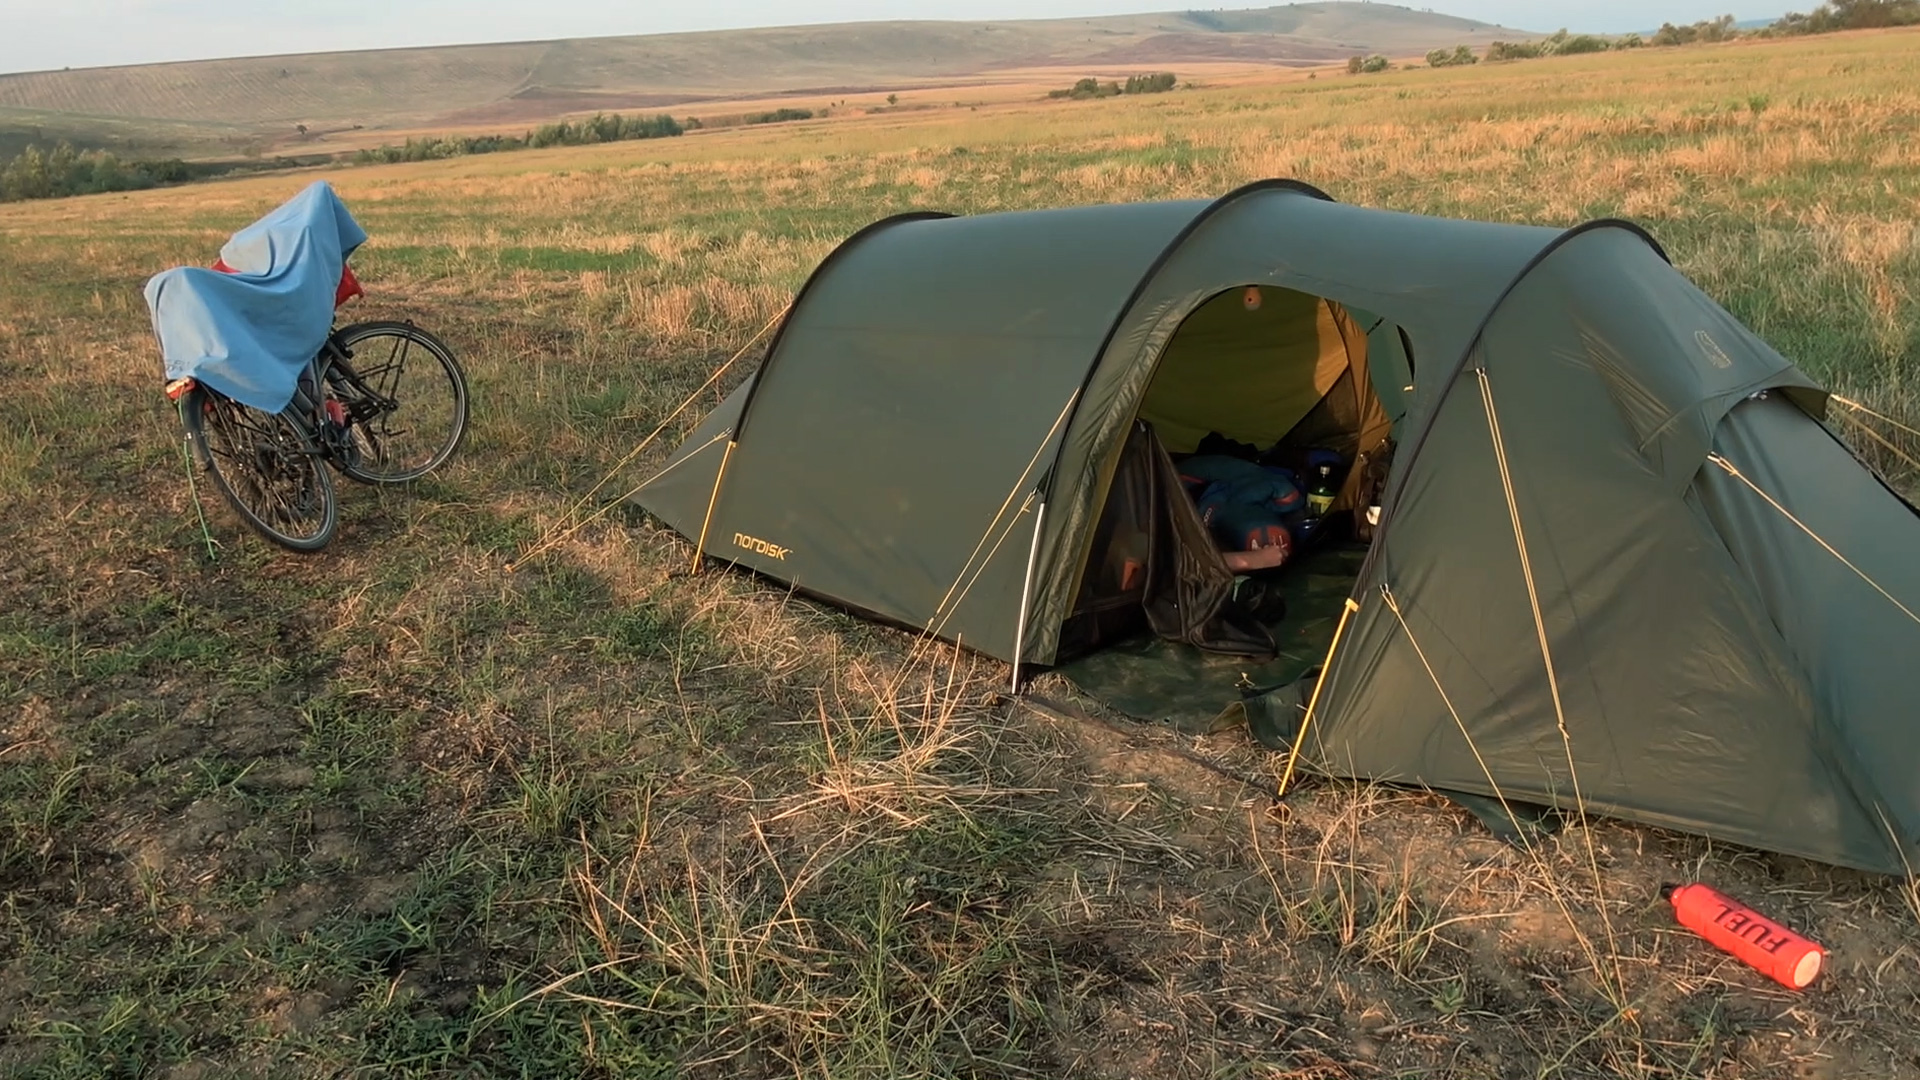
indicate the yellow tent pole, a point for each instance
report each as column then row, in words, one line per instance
column 701, row 547
column 1293, row 759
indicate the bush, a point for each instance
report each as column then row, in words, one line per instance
column 1459, row 57
column 1150, row 84
column 1707, row 30
column 64, row 171
column 1560, row 43
column 1513, row 50
column 1090, row 88
column 1582, row 43
column 598, row 128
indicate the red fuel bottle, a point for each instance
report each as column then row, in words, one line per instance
column 1757, row 941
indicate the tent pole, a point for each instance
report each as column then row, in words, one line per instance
column 700, row 547
column 1313, row 703
column 1026, row 594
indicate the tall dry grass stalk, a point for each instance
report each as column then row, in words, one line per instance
column 721, row 830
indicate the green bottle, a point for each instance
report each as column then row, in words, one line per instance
column 1320, row 495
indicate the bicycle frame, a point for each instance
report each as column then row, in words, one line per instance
column 273, row 469
column 309, row 408
column 337, row 366
column 331, row 358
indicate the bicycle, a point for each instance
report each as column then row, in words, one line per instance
column 353, row 411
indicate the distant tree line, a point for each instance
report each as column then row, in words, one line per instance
column 780, row 116
column 775, row 116
column 42, row 174
column 1562, row 43
column 39, row 174
column 598, row 128
column 1851, row 15
column 1830, row 16
column 1138, row 84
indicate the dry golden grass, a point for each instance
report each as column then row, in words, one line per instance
column 396, row 810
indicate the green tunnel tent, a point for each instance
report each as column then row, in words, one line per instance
column 1727, row 594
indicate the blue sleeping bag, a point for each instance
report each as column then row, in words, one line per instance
column 250, row 334
column 1242, row 502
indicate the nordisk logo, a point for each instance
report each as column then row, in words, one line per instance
column 760, row 547
column 1716, row 355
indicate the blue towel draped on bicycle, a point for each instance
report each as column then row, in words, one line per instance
column 269, row 387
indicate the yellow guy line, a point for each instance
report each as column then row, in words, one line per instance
column 1866, row 429
column 1393, row 605
column 1546, row 654
column 991, row 525
column 1546, row 872
column 1012, row 523
column 559, row 535
column 1831, row 550
column 1857, row 407
column 938, row 624
column 950, row 603
column 1326, row 669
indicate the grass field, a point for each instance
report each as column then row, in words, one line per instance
column 394, row 811
column 219, row 107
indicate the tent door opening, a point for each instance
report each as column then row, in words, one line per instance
column 1189, row 597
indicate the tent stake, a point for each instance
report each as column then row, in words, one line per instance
column 1313, row 703
column 1026, row 592
column 700, row 547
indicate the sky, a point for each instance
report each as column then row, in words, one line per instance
column 43, row 34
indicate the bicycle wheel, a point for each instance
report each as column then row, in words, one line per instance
column 267, row 468
column 406, row 401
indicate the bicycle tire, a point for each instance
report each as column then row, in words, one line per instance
column 266, row 467
column 397, row 432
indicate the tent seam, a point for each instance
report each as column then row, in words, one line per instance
column 1153, row 271
column 819, row 272
column 1432, row 414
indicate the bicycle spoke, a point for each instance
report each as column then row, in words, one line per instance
column 397, row 363
column 400, row 428
column 384, row 378
column 268, row 471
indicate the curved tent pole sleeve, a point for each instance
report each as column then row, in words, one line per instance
column 793, row 309
column 1153, row 271
column 1405, row 466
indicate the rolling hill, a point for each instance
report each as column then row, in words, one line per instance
column 214, row 103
